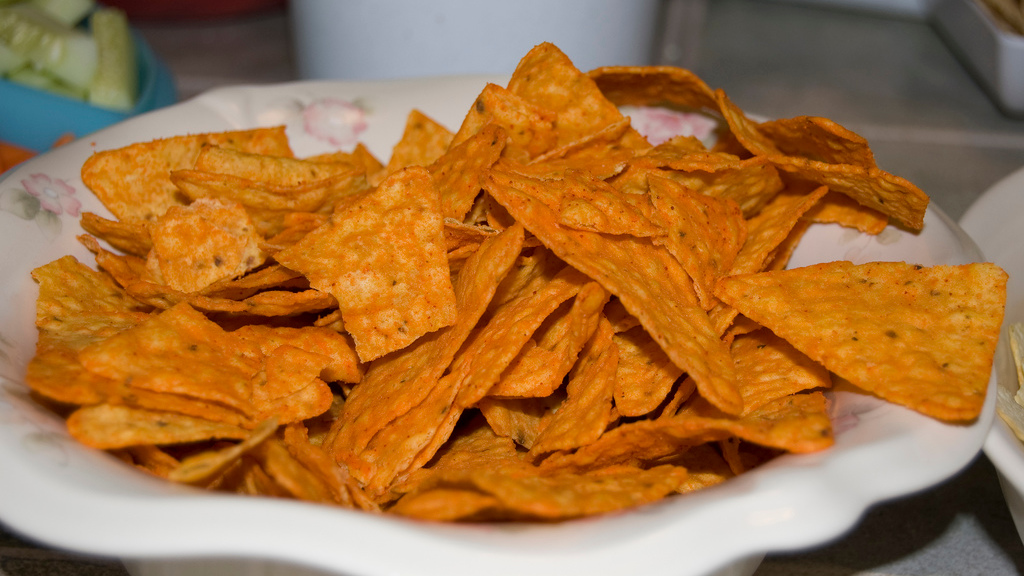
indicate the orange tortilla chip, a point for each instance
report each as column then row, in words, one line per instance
column 464, row 239
column 650, row 284
column 706, row 466
column 530, row 129
column 653, row 86
column 341, row 487
column 703, row 233
column 604, row 153
column 458, row 173
column 770, row 228
column 202, row 243
column 288, row 472
column 152, row 459
column 394, row 385
column 587, row 409
column 124, row 269
column 179, row 351
column 131, row 237
column 831, row 313
column 676, row 149
column 518, row 419
column 638, row 442
column 122, row 393
column 644, row 376
column 250, row 478
column 442, row 504
column 497, row 495
column 423, row 141
column 492, row 348
column 78, row 302
column 620, row 318
column 360, row 156
column 769, row 368
column 870, row 187
column 819, row 139
column 264, row 278
column 383, row 259
column 750, row 182
column 202, row 467
column 784, row 251
column 746, row 130
column 268, row 203
column 131, row 273
column 372, row 167
column 105, row 426
column 55, row 373
column 585, row 202
column 268, row 303
column 588, row 203
column 134, row 182
column 797, row 423
column 289, row 388
column 841, row 209
column 76, row 307
column 342, row 364
column 476, row 446
column 543, row 363
column 283, row 171
column 866, row 183
column 294, row 227
column 547, row 78
column 534, row 267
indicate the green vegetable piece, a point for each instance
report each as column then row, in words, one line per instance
column 68, row 12
column 116, row 82
column 67, row 53
column 10, row 61
column 43, row 81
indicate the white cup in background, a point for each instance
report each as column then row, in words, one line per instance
column 379, row 39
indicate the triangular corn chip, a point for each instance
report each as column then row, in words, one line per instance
column 878, row 324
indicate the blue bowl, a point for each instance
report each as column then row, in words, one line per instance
column 35, row 119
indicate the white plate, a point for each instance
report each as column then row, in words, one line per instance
column 66, row 496
column 994, row 221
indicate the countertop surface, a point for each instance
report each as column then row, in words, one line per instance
column 890, row 78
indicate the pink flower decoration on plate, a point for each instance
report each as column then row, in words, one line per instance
column 335, row 121
column 661, row 124
column 54, row 194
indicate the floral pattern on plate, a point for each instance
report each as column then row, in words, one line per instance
column 337, row 122
column 42, row 199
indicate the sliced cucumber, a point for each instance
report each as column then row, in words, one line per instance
column 68, row 12
column 116, row 81
column 43, row 81
column 9, row 61
column 67, row 53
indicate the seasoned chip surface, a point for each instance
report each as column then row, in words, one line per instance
column 383, row 258
column 134, row 182
column 921, row 337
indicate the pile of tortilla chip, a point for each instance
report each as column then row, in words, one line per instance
column 538, row 316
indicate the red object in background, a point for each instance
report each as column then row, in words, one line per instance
column 191, row 9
